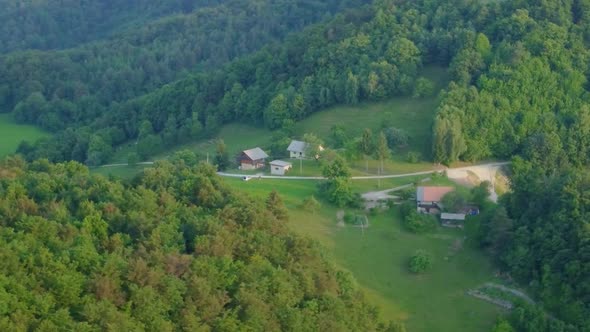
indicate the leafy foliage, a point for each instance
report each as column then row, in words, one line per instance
column 175, row 250
column 417, row 222
column 381, row 46
column 420, row 262
column 337, row 188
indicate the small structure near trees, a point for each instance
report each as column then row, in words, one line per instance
column 300, row 149
column 452, row 219
column 252, row 159
column 279, row 167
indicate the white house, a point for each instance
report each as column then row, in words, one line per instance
column 279, row 167
column 297, row 149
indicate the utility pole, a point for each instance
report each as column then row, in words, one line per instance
column 300, row 166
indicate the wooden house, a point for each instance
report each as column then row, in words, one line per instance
column 252, row 159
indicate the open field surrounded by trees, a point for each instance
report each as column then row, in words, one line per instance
column 12, row 134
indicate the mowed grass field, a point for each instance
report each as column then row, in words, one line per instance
column 435, row 301
column 12, row 134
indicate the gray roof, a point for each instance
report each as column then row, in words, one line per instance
column 280, row 163
column 452, row 216
column 256, row 154
column 297, row 146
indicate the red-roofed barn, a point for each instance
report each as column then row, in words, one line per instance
column 428, row 198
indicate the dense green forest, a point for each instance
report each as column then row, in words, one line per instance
column 176, row 250
column 70, row 88
column 52, row 24
column 519, row 87
column 528, row 89
column 369, row 53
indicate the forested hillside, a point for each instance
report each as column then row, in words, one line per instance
column 59, row 89
column 52, row 24
column 527, row 95
column 519, row 87
column 370, row 53
column 529, row 88
column 175, row 251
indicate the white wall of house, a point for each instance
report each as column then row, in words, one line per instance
column 279, row 170
column 297, row 155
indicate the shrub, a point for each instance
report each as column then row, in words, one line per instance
column 421, row 261
column 418, row 222
column 406, row 194
column 413, row 157
column 311, row 204
column 349, row 218
column 423, row 88
column 396, row 137
column 453, row 201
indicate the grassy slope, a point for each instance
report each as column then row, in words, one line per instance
column 413, row 115
column 435, row 301
column 11, row 134
column 237, row 137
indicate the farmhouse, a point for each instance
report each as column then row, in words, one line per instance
column 252, row 159
column 297, row 149
column 428, row 198
column 452, row 219
column 279, row 167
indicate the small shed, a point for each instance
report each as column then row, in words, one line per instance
column 252, row 159
column 452, row 219
column 279, row 167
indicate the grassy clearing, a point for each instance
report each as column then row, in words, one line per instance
column 436, row 301
column 12, row 134
column 414, row 115
column 237, row 137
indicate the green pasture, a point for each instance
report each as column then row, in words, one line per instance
column 12, row 134
column 377, row 256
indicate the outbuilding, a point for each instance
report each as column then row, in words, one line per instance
column 252, row 159
column 452, row 219
column 279, row 167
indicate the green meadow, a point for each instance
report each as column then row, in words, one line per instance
column 12, row 134
column 377, row 257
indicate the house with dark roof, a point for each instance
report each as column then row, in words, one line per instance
column 428, row 199
column 252, row 159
